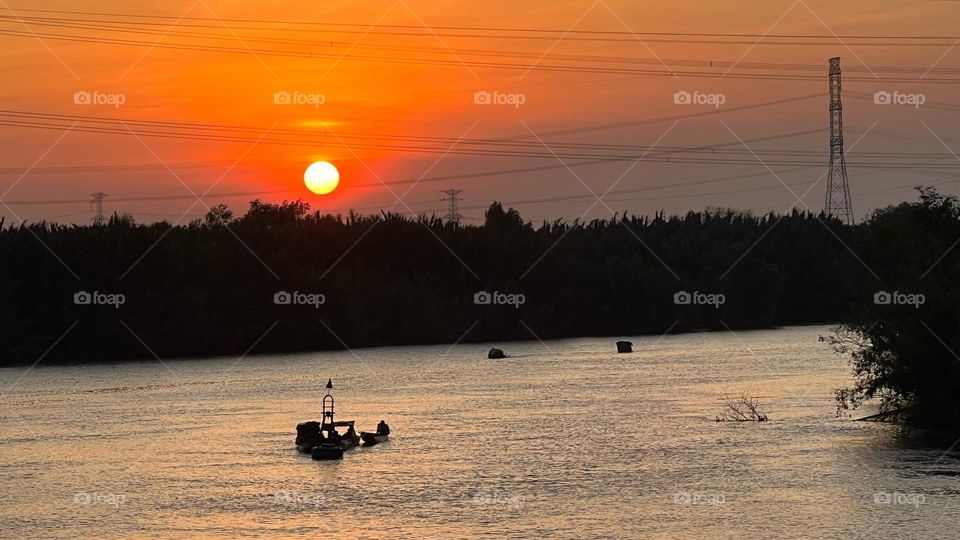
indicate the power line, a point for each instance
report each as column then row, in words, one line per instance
column 718, row 159
column 181, row 130
column 567, row 33
column 609, row 197
column 121, row 27
column 560, row 198
column 572, row 198
column 108, row 168
column 167, row 129
column 709, row 149
column 442, row 178
column 312, row 135
column 460, row 62
column 43, row 202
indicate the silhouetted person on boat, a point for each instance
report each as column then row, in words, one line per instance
column 334, row 437
column 383, row 428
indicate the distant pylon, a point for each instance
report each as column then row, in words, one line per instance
column 453, row 200
column 97, row 203
column 838, row 203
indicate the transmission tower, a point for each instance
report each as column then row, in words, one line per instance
column 453, row 200
column 838, row 203
column 97, row 203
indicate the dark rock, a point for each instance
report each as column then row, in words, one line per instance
column 624, row 346
column 496, row 353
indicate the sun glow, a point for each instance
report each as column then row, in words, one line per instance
column 321, row 177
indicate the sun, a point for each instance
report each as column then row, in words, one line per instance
column 321, row 177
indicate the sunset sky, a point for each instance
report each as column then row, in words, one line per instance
column 371, row 94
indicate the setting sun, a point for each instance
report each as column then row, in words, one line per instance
column 321, row 177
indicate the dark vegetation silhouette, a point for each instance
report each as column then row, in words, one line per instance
column 905, row 355
column 207, row 288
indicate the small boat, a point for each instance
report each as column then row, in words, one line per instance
column 333, row 447
column 334, row 450
column 369, row 439
column 333, row 444
column 322, row 439
column 326, row 452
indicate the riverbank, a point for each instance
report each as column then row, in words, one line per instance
column 254, row 352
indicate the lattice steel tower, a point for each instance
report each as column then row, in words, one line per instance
column 838, row 203
column 453, row 198
column 97, row 202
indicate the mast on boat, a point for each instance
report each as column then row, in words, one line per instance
column 328, row 404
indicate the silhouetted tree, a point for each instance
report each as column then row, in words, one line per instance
column 905, row 331
column 218, row 216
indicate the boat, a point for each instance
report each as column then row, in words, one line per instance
column 326, row 452
column 369, row 439
column 322, row 439
column 333, row 446
column 311, row 435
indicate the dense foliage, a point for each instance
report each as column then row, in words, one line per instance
column 208, row 287
column 904, row 342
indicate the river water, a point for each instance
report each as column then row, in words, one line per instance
column 564, row 439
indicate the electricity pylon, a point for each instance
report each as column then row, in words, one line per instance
column 453, row 200
column 838, row 203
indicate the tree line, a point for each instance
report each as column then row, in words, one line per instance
column 283, row 278
column 216, row 286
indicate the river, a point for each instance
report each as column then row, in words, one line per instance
column 565, row 439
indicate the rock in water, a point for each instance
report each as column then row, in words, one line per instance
column 496, row 353
column 624, row 346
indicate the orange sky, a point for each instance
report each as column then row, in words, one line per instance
column 379, row 98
